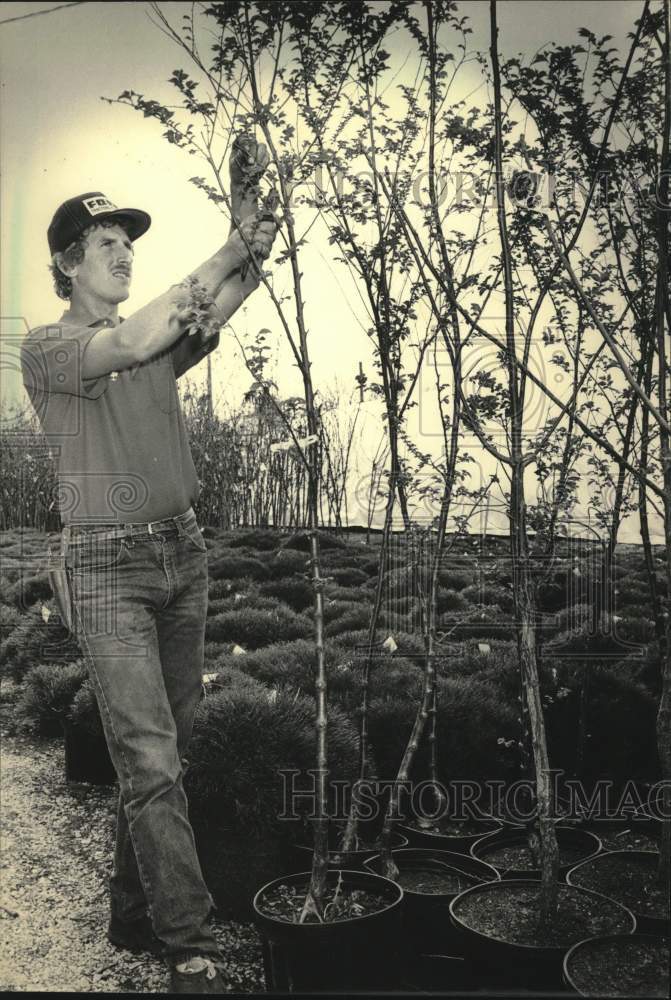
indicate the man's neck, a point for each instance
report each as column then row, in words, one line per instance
column 85, row 308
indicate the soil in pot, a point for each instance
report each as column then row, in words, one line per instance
column 512, row 915
column 508, row 851
column 629, row 838
column 619, row 966
column 629, row 877
column 447, row 834
column 502, row 931
column 357, row 947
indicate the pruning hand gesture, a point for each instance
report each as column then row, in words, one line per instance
column 248, row 161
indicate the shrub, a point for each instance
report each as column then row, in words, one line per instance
column 84, row 710
column 407, row 645
column 621, row 743
column 454, row 579
column 9, row 619
column 48, row 694
column 348, row 576
column 261, row 539
column 348, row 620
column 471, row 718
column 232, row 679
column 242, row 740
column 291, row 664
column 478, row 623
column 33, row 641
column 253, row 628
column 450, row 600
column 295, row 591
column 27, row 590
column 348, row 595
column 287, row 562
column 236, row 567
column 301, row 541
column 488, row 594
column 218, row 589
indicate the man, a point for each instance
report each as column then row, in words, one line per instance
column 106, row 395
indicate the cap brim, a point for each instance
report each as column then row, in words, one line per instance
column 139, row 221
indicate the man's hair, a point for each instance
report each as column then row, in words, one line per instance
column 74, row 254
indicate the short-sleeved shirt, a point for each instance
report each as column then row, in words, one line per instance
column 120, row 441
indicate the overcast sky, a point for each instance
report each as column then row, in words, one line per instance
column 60, row 139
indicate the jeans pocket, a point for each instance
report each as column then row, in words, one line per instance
column 95, row 555
column 192, row 534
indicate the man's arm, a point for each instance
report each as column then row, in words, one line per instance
column 157, row 325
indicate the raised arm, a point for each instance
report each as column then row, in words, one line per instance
column 157, row 325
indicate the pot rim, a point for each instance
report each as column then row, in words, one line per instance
column 504, row 884
column 496, row 877
column 364, row 852
column 305, row 877
column 515, row 834
column 497, row 825
column 600, row 937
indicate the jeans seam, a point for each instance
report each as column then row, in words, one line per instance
column 122, row 755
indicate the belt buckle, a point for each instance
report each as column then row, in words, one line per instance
column 150, row 529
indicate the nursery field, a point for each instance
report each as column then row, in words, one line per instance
column 256, row 719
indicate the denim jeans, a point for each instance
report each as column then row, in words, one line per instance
column 140, row 605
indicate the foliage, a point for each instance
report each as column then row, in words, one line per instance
column 47, row 695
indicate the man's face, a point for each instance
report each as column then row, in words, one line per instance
column 107, row 266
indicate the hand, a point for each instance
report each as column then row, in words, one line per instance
column 248, row 160
column 259, row 232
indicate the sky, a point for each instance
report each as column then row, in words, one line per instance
column 58, row 139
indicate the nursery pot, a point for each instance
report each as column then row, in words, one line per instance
column 458, row 843
column 574, row 845
column 430, row 880
column 352, row 860
column 498, row 923
column 433, row 959
column 619, row 965
column 86, row 756
column 352, row 954
column 618, row 874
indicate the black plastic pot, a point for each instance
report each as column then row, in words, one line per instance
column 86, row 756
column 448, row 842
column 360, row 953
column 506, row 965
column 427, row 928
column 436, row 973
column 648, row 860
column 585, row 844
column 352, row 860
column 623, row 947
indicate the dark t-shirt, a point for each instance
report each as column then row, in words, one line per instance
column 120, row 441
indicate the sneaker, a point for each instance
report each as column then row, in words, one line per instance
column 197, row 975
column 134, row 935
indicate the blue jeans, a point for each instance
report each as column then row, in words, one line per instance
column 140, row 606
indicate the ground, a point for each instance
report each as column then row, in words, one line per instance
column 56, row 851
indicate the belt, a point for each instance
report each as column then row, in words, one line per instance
column 78, row 533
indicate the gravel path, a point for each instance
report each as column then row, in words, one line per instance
column 56, row 858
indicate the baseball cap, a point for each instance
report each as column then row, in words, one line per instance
column 77, row 214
